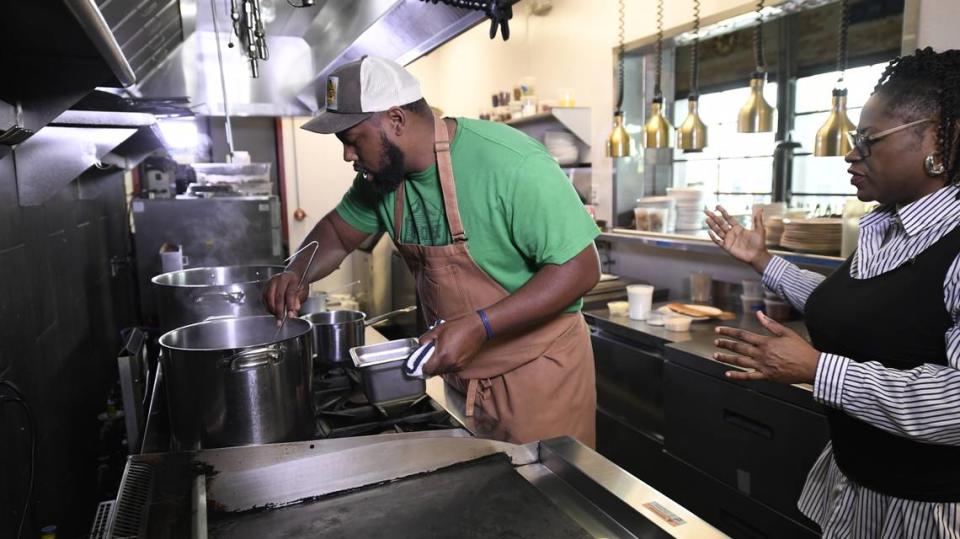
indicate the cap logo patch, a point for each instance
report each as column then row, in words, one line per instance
column 332, row 84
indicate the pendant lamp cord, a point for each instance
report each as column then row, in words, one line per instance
column 842, row 42
column 620, row 62
column 656, row 85
column 758, row 39
column 695, row 53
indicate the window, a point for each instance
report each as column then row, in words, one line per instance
column 737, row 168
column 821, row 183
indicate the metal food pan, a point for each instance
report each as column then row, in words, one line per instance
column 381, row 372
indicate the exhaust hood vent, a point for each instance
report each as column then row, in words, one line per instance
column 147, row 32
column 305, row 45
column 52, row 53
column 76, row 141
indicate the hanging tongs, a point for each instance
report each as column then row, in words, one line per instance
column 499, row 11
column 289, row 262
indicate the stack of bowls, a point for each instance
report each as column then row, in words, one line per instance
column 690, row 205
column 562, row 145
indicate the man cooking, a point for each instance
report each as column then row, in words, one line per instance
column 495, row 235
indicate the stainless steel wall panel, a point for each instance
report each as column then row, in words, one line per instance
column 60, row 312
column 223, row 231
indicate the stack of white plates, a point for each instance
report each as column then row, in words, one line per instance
column 819, row 236
column 690, row 205
column 774, row 229
column 562, row 145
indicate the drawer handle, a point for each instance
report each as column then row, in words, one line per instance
column 747, row 424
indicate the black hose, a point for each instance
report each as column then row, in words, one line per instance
column 842, row 42
column 758, row 39
column 20, row 400
column 657, row 94
column 695, row 53
column 620, row 61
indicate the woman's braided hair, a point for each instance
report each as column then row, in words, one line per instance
column 927, row 84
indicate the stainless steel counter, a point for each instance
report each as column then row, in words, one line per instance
column 451, row 400
column 237, row 491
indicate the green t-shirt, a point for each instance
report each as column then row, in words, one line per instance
column 519, row 210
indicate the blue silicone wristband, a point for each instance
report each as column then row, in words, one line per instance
column 486, row 323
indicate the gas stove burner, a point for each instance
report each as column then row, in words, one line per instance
column 343, row 410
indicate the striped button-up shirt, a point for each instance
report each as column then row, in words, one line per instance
column 922, row 403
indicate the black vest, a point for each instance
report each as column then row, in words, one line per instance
column 898, row 319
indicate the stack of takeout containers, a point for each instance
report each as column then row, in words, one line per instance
column 691, row 201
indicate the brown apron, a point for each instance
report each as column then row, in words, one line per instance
column 533, row 385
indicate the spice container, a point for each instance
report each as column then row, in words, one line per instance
column 618, row 308
column 777, row 309
column 663, row 219
column 678, row 323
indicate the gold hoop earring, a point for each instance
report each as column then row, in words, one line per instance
column 932, row 167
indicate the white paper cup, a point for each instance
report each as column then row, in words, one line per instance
column 640, row 298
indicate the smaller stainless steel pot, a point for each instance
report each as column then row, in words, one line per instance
column 336, row 332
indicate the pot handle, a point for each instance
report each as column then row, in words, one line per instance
column 253, row 358
column 236, row 297
column 384, row 317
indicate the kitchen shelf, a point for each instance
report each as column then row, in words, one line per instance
column 575, row 120
column 702, row 244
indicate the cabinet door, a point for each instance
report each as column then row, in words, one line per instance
column 629, row 382
column 727, row 509
column 758, row 445
column 632, row 450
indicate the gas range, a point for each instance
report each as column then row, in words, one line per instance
column 343, row 410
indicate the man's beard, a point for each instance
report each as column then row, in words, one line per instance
column 390, row 176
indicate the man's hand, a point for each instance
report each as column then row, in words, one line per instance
column 457, row 341
column 281, row 293
column 785, row 357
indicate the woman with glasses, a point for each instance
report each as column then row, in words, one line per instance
column 885, row 326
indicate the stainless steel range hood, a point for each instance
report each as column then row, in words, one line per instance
column 76, row 141
column 305, row 44
column 52, row 53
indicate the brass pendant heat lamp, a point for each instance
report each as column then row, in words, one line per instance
column 656, row 131
column 832, row 137
column 756, row 116
column 692, row 134
column 618, row 143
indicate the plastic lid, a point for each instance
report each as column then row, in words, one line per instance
column 655, row 199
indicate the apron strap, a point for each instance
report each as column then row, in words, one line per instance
column 471, row 397
column 441, row 146
column 448, row 188
column 401, row 195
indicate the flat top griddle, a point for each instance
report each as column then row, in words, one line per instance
column 483, row 498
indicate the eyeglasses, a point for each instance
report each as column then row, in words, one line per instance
column 863, row 142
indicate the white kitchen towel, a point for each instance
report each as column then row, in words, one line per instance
column 414, row 365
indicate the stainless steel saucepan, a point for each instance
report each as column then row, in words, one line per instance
column 336, row 332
